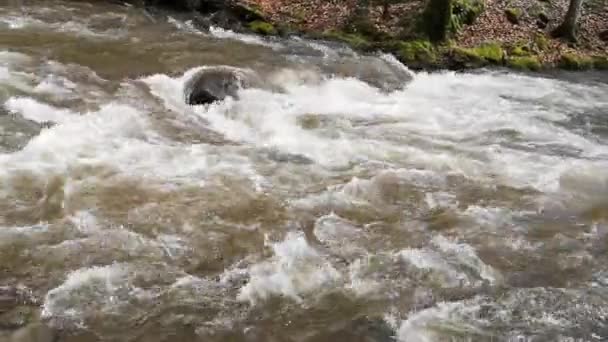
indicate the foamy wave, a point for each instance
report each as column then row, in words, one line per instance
column 38, row 112
column 245, row 38
column 427, row 325
column 295, row 270
column 82, row 29
column 452, row 262
column 85, row 292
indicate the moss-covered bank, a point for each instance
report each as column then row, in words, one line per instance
column 429, row 36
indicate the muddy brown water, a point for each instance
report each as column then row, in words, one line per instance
column 344, row 199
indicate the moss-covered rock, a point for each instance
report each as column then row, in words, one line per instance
column 571, row 61
column 489, row 53
column 420, row 54
column 541, row 42
column 464, row 12
column 417, row 51
column 520, row 50
column 525, row 63
column 600, row 62
column 514, row 14
column 354, row 40
column 262, row 27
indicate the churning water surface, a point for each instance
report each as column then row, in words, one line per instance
column 343, row 198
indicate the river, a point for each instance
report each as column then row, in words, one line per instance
column 345, row 198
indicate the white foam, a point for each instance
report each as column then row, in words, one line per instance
column 426, row 325
column 186, row 26
column 432, row 108
column 245, row 38
column 75, row 27
column 36, row 111
column 58, row 86
column 294, row 271
column 20, row 22
column 361, row 284
column 433, row 261
column 466, row 255
column 117, row 136
column 85, row 222
column 85, row 291
column 451, row 263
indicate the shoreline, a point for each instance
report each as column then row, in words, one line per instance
column 461, row 50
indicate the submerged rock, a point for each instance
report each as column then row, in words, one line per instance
column 286, row 157
column 18, row 317
column 215, row 84
column 12, row 297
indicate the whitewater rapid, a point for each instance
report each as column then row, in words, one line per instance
column 347, row 197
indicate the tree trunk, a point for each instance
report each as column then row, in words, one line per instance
column 568, row 27
column 362, row 10
column 385, row 9
column 437, row 15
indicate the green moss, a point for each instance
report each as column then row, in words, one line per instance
column 541, row 41
column 600, row 62
column 492, row 52
column 525, row 63
column 489, row 53
column 514, row 14
column 520, row 51
column 464, row 12
column 467, row 57
column 355, row 40
column 262, row 27
column 571, row 61
column 417, row 51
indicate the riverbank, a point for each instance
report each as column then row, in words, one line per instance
column 482, row 33
column 513, row 33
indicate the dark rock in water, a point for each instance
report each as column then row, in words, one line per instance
column 223, row 13
column 286, row 157
column 189, row 5
column 376, row 72
column 17, row 317
column 227, row 19
column 212, row 85
column 9, row 298
column 12, row 297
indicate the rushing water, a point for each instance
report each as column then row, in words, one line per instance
column 344, row 199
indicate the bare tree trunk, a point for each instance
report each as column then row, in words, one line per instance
column 362, row 10
column 437, row 16
column 568, row 27
column 385, row 9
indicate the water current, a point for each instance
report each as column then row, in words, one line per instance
column 343, row 198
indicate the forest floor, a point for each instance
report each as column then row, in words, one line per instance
column 535, row 20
